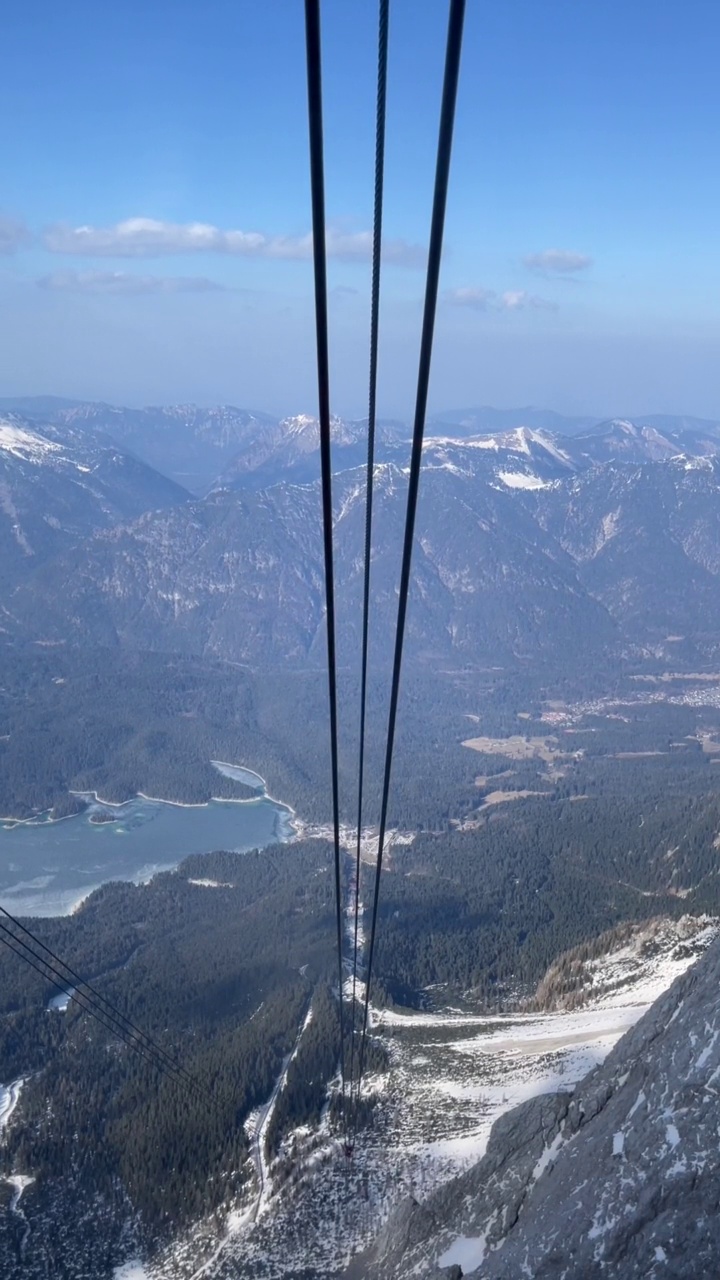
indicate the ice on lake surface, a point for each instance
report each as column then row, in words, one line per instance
column 46, row 868
column 239, row 773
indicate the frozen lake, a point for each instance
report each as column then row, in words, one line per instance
column 46, row 868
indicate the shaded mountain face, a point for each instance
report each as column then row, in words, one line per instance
column 528, row 548
column 619, row 1178
column 240, row 576
column 58, row 485
column 646, row 540
column 187, row 443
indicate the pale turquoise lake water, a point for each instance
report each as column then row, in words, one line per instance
column 47, row 867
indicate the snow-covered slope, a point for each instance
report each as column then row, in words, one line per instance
column 520, row 459
column 610, row 1179
column 452, row 1076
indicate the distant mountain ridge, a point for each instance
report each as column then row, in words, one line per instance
column 510, row 565
column 224, row 446
column 530, row 545
column 291, row 450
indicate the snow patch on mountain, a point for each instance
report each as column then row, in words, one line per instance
column 520, row 480
column 473, row 442
column 9, row 1098
column 27, row 445
column 19, row 1182
column 526, row 438
column 132, row 1270
column 305, row 428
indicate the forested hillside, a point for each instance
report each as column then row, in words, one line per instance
column 221, row 978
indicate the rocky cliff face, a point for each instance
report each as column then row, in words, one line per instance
column 619, row 1179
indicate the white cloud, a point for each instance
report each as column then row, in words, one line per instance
column 479, row 299
column 125, row 283
column 519, row 299
column 13, row 235
column 148, row 238
column 557, row 262
column 489, row 300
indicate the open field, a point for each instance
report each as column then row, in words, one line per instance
column 517, row 748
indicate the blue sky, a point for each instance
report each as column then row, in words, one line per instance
column 154, row 209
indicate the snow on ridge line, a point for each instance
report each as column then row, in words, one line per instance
column 546, row 443
column 469, row 442
column 520, row 480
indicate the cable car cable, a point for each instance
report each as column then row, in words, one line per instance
column 380, row 114
column 437, row 226
column 317, row 187
column 29, row 957
column 98, row 997
column 84, row 1002
column 9, row 938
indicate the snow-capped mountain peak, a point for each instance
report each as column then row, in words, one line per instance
column 305, row 430
column 299, row 423
column 517, row 459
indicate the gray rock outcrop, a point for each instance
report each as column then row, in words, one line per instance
column 619, row 1179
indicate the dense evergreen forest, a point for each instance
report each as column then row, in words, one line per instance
column 119, row 723
column 487, row 909
column 221, row 978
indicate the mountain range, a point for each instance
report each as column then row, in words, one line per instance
column 537, row 549
column 202, row 448
column 529, row 545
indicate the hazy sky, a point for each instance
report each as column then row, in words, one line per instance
column 154, row 209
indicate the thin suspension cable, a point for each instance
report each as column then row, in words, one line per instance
column 317, row 185
column 8, row 938
column 25, row 952
column 442, row 173
column 380, row 113
column 59, row 980
column 110, row 1009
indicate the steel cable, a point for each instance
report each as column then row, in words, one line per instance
column 380, row 115
column 437, row 226
column 317, row 187
column 110, row 1024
